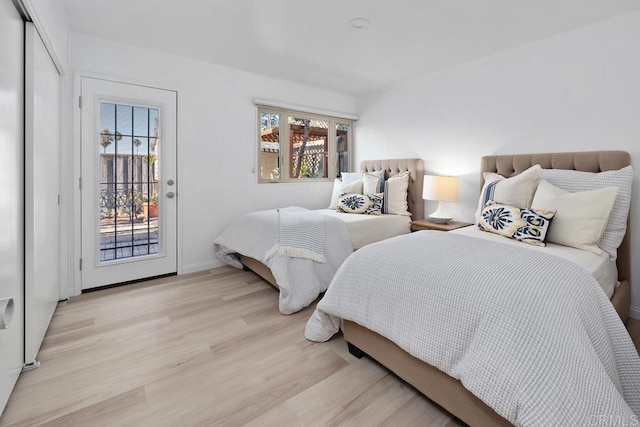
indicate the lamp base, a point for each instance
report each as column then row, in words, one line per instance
column 440, row 216
column 439, row 220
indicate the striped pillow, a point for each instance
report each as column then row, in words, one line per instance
column 516, row 191
column 372, row 182
column 575, row 181
column 395, row 195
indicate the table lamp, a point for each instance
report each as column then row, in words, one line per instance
column 441, row 189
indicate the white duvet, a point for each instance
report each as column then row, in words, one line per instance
column 300, row 280
column 530, row 334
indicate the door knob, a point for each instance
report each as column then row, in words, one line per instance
column 170, row 182
column 171, row 194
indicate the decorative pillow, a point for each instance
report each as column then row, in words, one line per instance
column 395, row 195
column 349, row 177
column 341, row 188
column 372, row 182
column 377, row 174
column 516, row 191
column 581, row 217
column 574, row 181
column 368, row 204
column 526, row 225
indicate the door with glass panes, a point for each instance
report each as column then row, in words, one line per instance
column 128, row 183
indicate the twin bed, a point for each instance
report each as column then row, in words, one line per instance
column 494, row 331
column 247, row 242
column 530, row 333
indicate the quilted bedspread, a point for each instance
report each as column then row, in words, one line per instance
column 300, row 279
column 530, row 334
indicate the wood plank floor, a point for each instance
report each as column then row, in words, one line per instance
column 204, row 349
column 208, row 348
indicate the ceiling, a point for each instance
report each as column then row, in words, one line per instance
column 312, row 42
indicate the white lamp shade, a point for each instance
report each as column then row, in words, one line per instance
column 440, row 188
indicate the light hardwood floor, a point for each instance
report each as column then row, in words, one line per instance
column 208, row 348
column 204, row 349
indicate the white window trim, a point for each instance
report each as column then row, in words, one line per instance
column 332, row 159
column 261, row 102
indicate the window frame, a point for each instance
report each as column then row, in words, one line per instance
column 284, row 151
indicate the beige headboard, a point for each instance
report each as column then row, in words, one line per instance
column 396, row 166
column 588, row 161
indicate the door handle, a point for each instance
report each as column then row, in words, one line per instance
column 6, row 312
column 171, row 195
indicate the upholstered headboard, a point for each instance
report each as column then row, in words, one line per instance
column 396, row 166
column 588, row 161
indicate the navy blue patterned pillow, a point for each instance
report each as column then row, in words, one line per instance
column 526, row 225
column 368, row 204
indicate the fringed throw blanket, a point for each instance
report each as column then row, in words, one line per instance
column 300, row 279
column 301, row 235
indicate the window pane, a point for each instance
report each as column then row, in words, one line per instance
column 107, row 118
column 342, row 147
column 140, row 121
column 308, row 153
column 124, row 118
column 269, row 146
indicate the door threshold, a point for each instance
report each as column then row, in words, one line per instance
column 129, row 282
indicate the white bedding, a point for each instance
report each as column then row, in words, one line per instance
column 300, row 280
column 366, row 229
column 530, row 334
column 600, row 266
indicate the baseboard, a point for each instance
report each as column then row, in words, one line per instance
column 200, row 266
column 634, row 312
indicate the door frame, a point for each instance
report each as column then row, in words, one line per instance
column 72, row 180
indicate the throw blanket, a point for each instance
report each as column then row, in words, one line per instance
column 300, row 280
column 301, row 236
column 530, row 334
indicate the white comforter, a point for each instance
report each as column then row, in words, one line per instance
column 530, row 334
column 300, row 280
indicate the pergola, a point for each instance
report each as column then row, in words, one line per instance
column 315, row 149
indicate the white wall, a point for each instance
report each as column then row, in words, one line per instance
column 577, row 91
column 216, row 136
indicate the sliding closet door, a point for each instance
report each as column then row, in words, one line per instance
column 42, row 171
column 11, row 200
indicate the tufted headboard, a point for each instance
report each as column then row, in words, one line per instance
column 587, row 161
column 416, row 173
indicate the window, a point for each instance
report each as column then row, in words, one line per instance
column 295, row 146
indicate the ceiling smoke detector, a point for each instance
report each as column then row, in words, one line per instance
column 360, row 23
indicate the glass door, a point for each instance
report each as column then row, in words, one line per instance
column 129, row 200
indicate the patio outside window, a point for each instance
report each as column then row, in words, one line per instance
column 295, row 146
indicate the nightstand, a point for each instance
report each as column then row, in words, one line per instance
column 426, row 224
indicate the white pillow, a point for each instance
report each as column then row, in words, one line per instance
column 581, row 217
column 395, row 195
column 349, row 177
column 516, row 191
column 378, row 174
column 573, row 181
column 340, row 188
column 372, row 182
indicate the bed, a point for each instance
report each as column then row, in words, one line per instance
column 447, row 391
column 358, row 230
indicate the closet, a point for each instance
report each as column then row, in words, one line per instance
column 12, row 200
column 29, row 188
